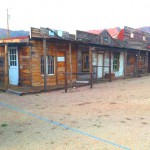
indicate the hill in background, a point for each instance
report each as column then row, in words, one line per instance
column 113, row 32
column 3, row 33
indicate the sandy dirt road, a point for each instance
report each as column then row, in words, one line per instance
column 118, row 112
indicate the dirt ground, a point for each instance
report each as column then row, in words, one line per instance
column 118, row 112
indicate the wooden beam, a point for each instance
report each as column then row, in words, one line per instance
column 56, row 66
column 45, row 70
column 91, row 67
column 97, row 64
column 70, row 62
column 147, row 60
column 66, row 72
column 6, row 67
column 125, row 63
column 110, row 66
column 30, row 65
column 103, row 69
column 137, row 62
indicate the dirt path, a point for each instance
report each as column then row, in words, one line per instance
column 117, row 112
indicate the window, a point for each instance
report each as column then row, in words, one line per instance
column 116, row 62
column 144, row 38
column 49, row 65
column 132, row 35
column 51, row 33
column 85, row 62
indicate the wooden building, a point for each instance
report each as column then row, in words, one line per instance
column 137, row 44
column 107, row 56
column 38, row 61
column 54, row 58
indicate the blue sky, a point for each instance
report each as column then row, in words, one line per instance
column 71, row 15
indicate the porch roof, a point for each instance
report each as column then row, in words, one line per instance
column 16, row 44
column 119, row 47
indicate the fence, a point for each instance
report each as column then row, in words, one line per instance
column 87, row 81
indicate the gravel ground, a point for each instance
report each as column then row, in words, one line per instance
column 117, row 112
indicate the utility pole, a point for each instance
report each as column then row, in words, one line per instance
column 8, row 34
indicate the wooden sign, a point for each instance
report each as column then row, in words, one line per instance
column 60, row 59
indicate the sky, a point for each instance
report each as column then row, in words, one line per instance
column 72, row 15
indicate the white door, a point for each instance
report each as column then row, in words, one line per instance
column 100, row 64
column 13, row 65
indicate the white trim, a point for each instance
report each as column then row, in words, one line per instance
column 14, row 81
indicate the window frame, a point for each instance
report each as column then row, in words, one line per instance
column 47, row 65
column 116, row 61
column 84, row 55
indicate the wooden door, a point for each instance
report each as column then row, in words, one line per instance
column 100, row 64
column 60, row 67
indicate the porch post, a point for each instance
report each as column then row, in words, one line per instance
column 91, row 67
column 125, row 63
column 110, row 66
column 137, row 62
column 6, row 67
column 70, row 58
column 147, row 60
column 45, row 71
column 66, row 72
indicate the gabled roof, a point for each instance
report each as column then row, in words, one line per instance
column 95, row 31
column 112, row 41
column 113, row 31
column 120, row 35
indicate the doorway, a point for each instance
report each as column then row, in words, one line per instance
column 100, row 66
column 13, row 65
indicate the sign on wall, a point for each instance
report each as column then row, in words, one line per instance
column 60, row 59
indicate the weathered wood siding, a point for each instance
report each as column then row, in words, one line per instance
column 24, row 65
column 131, row 64
column 137, row 41
column 2, row 64
column 106, row 39
column 55, row 49
column 143, row 62
column 82, row 50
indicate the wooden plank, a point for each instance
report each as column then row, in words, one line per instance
column 70, row 62
column 45, row 74
column 91, row 67
column 56, row 67
column 110, row 66
column 31, row 65
column 66, row 72
column 103, row 65
column 125, row 63
column 86, row 37
column 6, row 66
